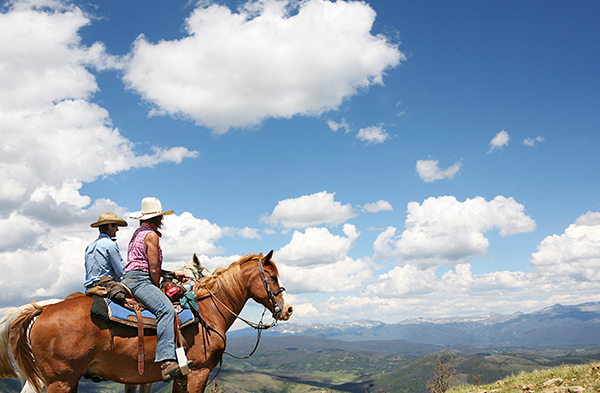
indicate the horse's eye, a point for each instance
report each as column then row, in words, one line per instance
column 274, row 278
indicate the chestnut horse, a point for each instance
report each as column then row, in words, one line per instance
column 65, row 342
column 193, row 269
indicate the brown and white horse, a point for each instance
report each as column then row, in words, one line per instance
column 56, row 345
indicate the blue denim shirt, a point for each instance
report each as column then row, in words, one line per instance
column 103, row 258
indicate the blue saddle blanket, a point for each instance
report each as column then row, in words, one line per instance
column 125, row 316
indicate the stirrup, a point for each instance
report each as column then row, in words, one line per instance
column 173, row 372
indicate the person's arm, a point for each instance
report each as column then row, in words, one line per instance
column 151, row 242
column 116, row 261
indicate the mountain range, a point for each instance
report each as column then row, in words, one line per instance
column 557, row 325
column 373, row 356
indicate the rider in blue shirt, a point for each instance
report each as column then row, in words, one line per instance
column 102, row 256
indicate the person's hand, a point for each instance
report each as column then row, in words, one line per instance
column 181, row 276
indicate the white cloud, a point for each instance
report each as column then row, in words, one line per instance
column 185, row 235
column 54, row 140
column 429, row 170
column 67, row 193
column 402, row 112
column 310, row 210
column 41, row 58
column 47, row 260
column 236, row 69
column 378, row 206
column 382, row 245
column 434, row 305
column 410, row 291
column 66, row 142
column 504, row 281
column 372, row 135
column 336, row 126
column 405, row 280
column 304, row 310
column 532, row 141
column 563, row 272
column 344, row 275
column 317, row 261
column 362, row 307
column 317, row 246
column 499, row 141
column 17, row 231
column 45, row 244
column 445, row 231
column 574, row 254
column 249, row 233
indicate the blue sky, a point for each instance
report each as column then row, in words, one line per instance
column 403, row 159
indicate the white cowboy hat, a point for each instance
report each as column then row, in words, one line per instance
column 109, row 218
column 151, row 207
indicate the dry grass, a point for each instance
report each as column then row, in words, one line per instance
column 565, row 378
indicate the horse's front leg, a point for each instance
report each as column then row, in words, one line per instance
column 146, row 388
column 196, row 381
column 128, row 389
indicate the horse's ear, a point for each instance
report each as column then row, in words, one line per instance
column 267, row 259
column 196, row 260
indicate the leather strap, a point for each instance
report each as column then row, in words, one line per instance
column 140, row 322
column 134, row 305
column 177, row 330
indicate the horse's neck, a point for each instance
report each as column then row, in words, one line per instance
column 231, row 299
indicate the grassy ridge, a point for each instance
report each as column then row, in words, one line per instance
column 487, row 368
column 565, row 378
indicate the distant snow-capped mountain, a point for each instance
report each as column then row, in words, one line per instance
column 322, row 328
column 552, row 326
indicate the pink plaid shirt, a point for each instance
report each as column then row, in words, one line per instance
column 137, row 253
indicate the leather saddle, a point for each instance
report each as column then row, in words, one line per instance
column 114, row 302
column 126, row 316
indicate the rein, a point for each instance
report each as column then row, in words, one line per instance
column 255, row 325
column 270, row 294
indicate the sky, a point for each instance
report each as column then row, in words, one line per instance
column 403, row 159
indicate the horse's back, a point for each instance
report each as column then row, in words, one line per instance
column 65, row 315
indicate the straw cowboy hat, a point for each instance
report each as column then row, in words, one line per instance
column 109, row 218
column 151, row 207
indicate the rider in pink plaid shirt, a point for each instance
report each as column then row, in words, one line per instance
column 137, row 253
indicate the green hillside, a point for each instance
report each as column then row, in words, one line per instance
column 299, row 370
column 362, row 372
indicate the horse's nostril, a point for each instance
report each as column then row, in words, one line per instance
column 290, row 309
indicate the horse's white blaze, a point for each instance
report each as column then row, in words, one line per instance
column 287, row 308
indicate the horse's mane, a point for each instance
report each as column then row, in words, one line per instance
column 226, row 280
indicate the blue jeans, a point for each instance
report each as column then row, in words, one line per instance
column 159, row 304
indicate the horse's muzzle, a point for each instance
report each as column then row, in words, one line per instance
column 286, row 312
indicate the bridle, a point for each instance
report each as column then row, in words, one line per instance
column 277, row 311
